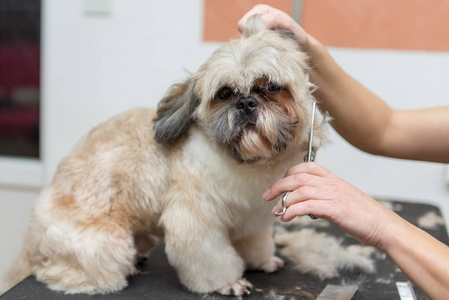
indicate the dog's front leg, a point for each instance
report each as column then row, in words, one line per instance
column 202, row 253
column 258, row 251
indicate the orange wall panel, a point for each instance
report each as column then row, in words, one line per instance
column 386, row 24
column 390, row 24
column 221, row 16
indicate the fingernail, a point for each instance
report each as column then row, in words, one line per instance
column 265, row 195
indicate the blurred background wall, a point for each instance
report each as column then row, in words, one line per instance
column 101, row 57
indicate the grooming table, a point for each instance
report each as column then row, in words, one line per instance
column 158, row 280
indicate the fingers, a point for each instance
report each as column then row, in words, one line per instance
column 319, row 209
column 311, row 168
column 290, row 183
column 311, row 187
column 299, row 195
column 275, row 19
column 260, row 9
column 278, row 20
column 298, row 176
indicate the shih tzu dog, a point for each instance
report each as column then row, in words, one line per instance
column 193, row 172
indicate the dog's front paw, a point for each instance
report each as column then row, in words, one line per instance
column 274, row 263
column 239, row 288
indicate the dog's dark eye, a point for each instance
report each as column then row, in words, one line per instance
column 273, row 87
column 225, row 93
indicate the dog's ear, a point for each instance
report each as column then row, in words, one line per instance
column 254, row 25
column 175, row 112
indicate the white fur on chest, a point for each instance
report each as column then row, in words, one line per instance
column 234, row 190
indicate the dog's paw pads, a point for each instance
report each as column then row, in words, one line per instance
column 273, row 264
column 240, row 288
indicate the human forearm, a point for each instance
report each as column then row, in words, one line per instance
column 419, row 134
column 357, row 112
column 420, row 256
column 368, row 123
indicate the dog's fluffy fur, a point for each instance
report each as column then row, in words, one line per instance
column 193, row 172
column 321, row 254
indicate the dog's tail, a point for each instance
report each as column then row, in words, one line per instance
column 20, row 271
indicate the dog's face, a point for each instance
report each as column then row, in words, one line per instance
column 252, row 98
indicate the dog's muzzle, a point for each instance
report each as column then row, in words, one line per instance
column 247, row 107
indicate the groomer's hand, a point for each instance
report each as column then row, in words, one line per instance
column 316, row 191
column 276, row 19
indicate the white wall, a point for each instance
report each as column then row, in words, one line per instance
column 15, row 208
column 95, row 66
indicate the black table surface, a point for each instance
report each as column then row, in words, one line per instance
column 158, row 280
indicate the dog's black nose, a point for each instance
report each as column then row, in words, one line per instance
column 247, row 104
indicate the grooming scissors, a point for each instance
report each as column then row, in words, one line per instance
column 310, row 156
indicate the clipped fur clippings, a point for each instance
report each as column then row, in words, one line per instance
column 321, row 254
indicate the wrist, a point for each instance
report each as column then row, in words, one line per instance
column 316, row 51
column 323, row 68
column 399, row 230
